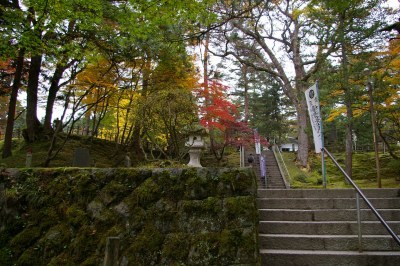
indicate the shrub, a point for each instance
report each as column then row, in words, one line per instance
column 301, row 177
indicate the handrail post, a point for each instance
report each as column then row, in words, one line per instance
column 360, row 248
column 360, row 193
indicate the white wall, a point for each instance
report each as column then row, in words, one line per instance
column 289, row 147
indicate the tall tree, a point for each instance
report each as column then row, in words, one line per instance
column 12, row 105
column 270, row 109
column 275, row 34
column 357, row 23
column 387, row 96
column 292, row 40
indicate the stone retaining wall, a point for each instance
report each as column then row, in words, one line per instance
column 188, row 216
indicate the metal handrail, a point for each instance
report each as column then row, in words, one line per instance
column 287, row 183
column 359, row 192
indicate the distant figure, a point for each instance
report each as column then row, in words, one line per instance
column 56, row 124
column 250, row 159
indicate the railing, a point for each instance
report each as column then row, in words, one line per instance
column 372, row 208
column 281, row 164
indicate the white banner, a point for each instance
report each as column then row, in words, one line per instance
column 257, row 142
column 315, row 115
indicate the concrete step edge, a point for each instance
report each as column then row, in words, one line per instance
column 330, row 252
column 323, row 236
column 323, row 198
column 323, row 210
column 327, row 222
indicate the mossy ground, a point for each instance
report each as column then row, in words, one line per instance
column 103, row 154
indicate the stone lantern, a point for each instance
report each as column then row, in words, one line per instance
column 196, row 143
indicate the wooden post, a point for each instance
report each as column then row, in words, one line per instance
column 112, row 251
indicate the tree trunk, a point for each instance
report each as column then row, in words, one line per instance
column 7, row 147
column 137, row 132
column 373, row 123
column 32, row 122
column 349, row 139
column 348, row 103
column 303, row 142
column 54, row 87
column 246, row 93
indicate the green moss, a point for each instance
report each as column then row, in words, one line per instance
column 229, row 243
column 147, row 192
column 163, row 214
column 5, row 256
column 197, row 188
column 132, row 177
column 92, row 261
column 75, row 216
column 175, row 249
column 114, row 191
column 45, row 217
column 209, row 206
column 83, row 243
column 146, row 247
column 240, row 212
column 55, row 241
column 172, row 185
column 246, row 251
column 31, row 257
column 14, row 225
column 204, row 249
column 25, row 239
column 242, row 182
column 62, row 259
column 137, row 219
column 196, row 216
column 169, row 217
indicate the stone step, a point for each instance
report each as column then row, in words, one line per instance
column 326, row 227
column 322, row 229
column 325, row 203
column 275, row 187
column 328, row 242
column 326, row 215
column 329, row 193
column 274, row 180
column 280, row 184
column 272, row 257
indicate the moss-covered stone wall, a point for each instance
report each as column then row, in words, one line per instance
column 188, row 216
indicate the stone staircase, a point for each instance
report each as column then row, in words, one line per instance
column 274, row 176
column 274, row 179
column 319, row 227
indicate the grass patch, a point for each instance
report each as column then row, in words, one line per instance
column 364, row 171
